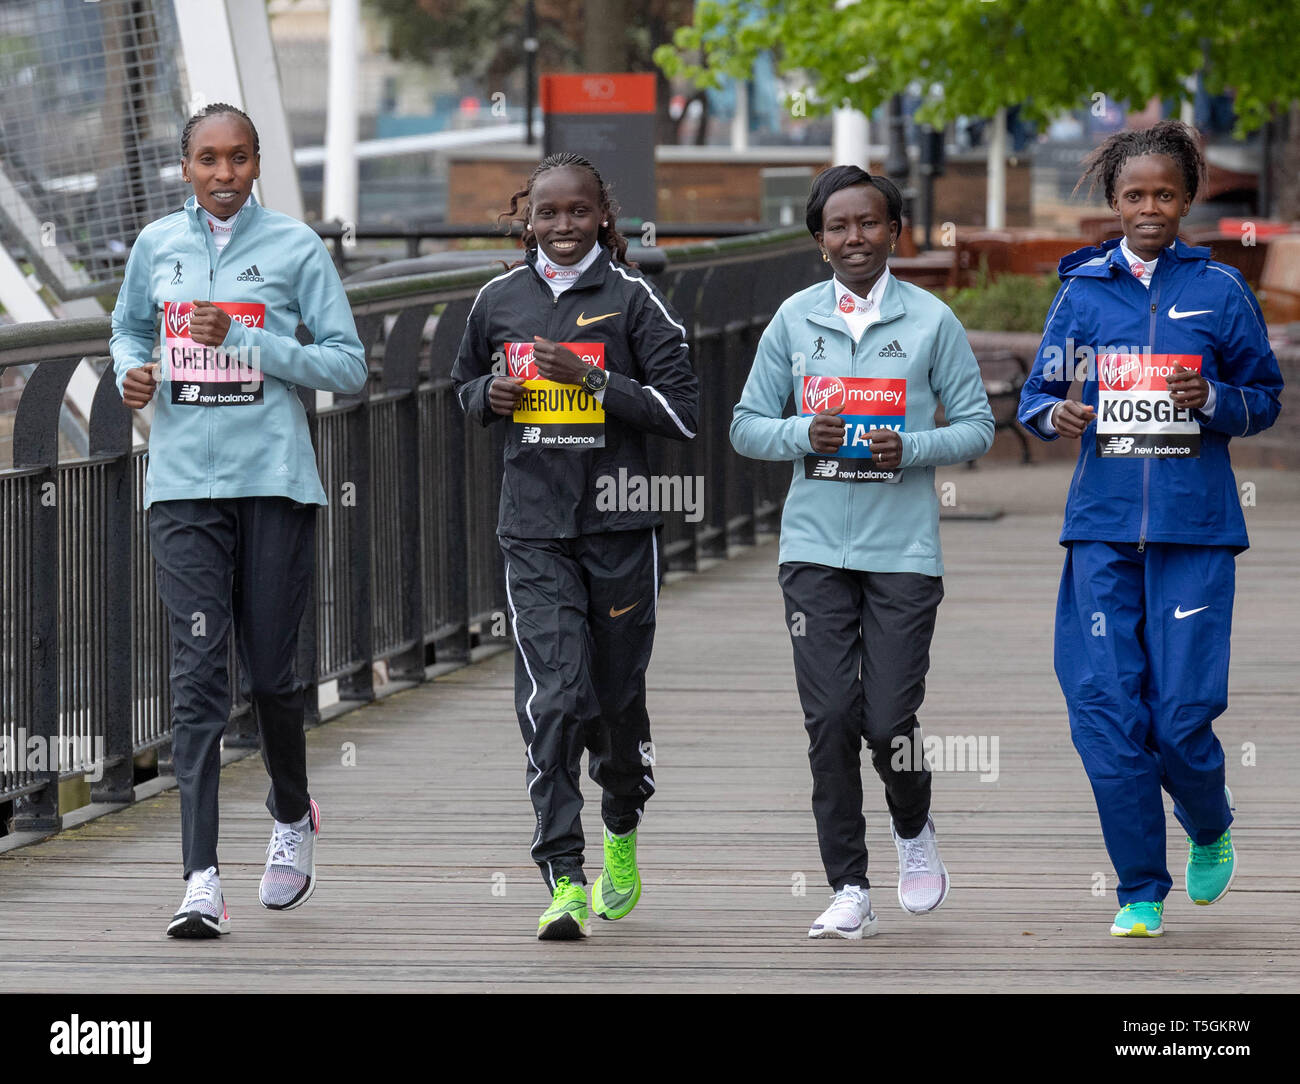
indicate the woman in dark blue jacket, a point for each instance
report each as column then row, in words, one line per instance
column 1171, row 356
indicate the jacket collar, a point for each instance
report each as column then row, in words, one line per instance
column 823, row 309
column 195, row 213
column 593, row 276
column 1105, row 260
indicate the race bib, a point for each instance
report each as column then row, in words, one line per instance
column 867, row 403
column 210, row 375
column 1136, row 415
column 552, row 415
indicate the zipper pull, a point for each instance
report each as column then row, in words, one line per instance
column 1142, row 543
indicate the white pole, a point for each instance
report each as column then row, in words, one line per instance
column 340, row 198
column 995, row 209
column 1187, row 107
column 850, row 138
column 740, row 122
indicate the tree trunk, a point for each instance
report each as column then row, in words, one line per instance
column 1286, row 166
column 604, row 36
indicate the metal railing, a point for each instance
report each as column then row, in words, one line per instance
column 408, row 568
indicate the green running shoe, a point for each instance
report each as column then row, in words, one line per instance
column 1210, row 869
column 1139, row 920
column 566, row 918
column 619, row 885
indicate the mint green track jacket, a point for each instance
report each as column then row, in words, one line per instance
column 228, row 421
column 871, row 526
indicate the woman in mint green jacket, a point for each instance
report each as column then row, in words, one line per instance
column 867, row 359
column 232, row 487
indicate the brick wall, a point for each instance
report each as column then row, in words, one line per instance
column 720, row 190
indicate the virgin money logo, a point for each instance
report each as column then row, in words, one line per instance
column 548, row 271
column 1119, row 372
column 823, row 393
column 519, row 358
column 177, row 315
column 847, row 303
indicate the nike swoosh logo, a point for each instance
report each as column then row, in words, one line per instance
column 1180, row 613
column 584, row 319
column 619, row 613
column 1174, row 314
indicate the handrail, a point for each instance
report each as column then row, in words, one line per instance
column 407, row 571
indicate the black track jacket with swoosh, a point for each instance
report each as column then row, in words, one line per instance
column 552, row 492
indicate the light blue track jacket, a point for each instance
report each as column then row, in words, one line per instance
column 228, row 421
column 872, row 526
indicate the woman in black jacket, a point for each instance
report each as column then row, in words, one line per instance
column 585, row 357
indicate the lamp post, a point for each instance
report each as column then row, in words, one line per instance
column 530, row 68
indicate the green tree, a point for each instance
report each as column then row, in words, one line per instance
column 974, row 58
column 1041, row 54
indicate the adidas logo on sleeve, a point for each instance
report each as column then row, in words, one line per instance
column 250, row 274
column 893, row 350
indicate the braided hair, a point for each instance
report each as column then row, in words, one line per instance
column 1169, row 137
column 608, row 236
column 216, row 109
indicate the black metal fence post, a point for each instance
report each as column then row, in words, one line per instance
column 401, row 375
column 110, row 436
column 36, row 444
column 359, row 682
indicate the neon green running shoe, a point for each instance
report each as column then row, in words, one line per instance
column 1139, row 920
column 566, row 918
column 619, row 885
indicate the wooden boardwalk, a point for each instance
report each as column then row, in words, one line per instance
column 425, row 883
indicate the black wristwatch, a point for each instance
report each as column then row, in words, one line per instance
column 595, row 379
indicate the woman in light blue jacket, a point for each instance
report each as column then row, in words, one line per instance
column 867, row 359
column 232, row 487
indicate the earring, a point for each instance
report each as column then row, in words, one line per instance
column 825, row 258
column 891, row 247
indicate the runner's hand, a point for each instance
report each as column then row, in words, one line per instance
column 886, row 448
column 504, row 393
column 558, row 363
column 208, row 324
column 139, row 384
column 1188, row 388
column 826, row 432
column 1070, row 419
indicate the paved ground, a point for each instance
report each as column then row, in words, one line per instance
column 425, row 883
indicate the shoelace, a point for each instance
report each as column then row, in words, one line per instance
column 848, row 894
column 916, row 858
column 200, row 888
column 283, row 848
column 620, row 857
column 1158, row 905
column 1211, row 854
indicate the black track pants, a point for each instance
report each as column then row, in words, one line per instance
column 243, row 565
column 584, row 621
column 861, row 651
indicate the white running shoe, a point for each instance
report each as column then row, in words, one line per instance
column 203, row 910
column 290, row 877
column 922, row 876
column 849, row 916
